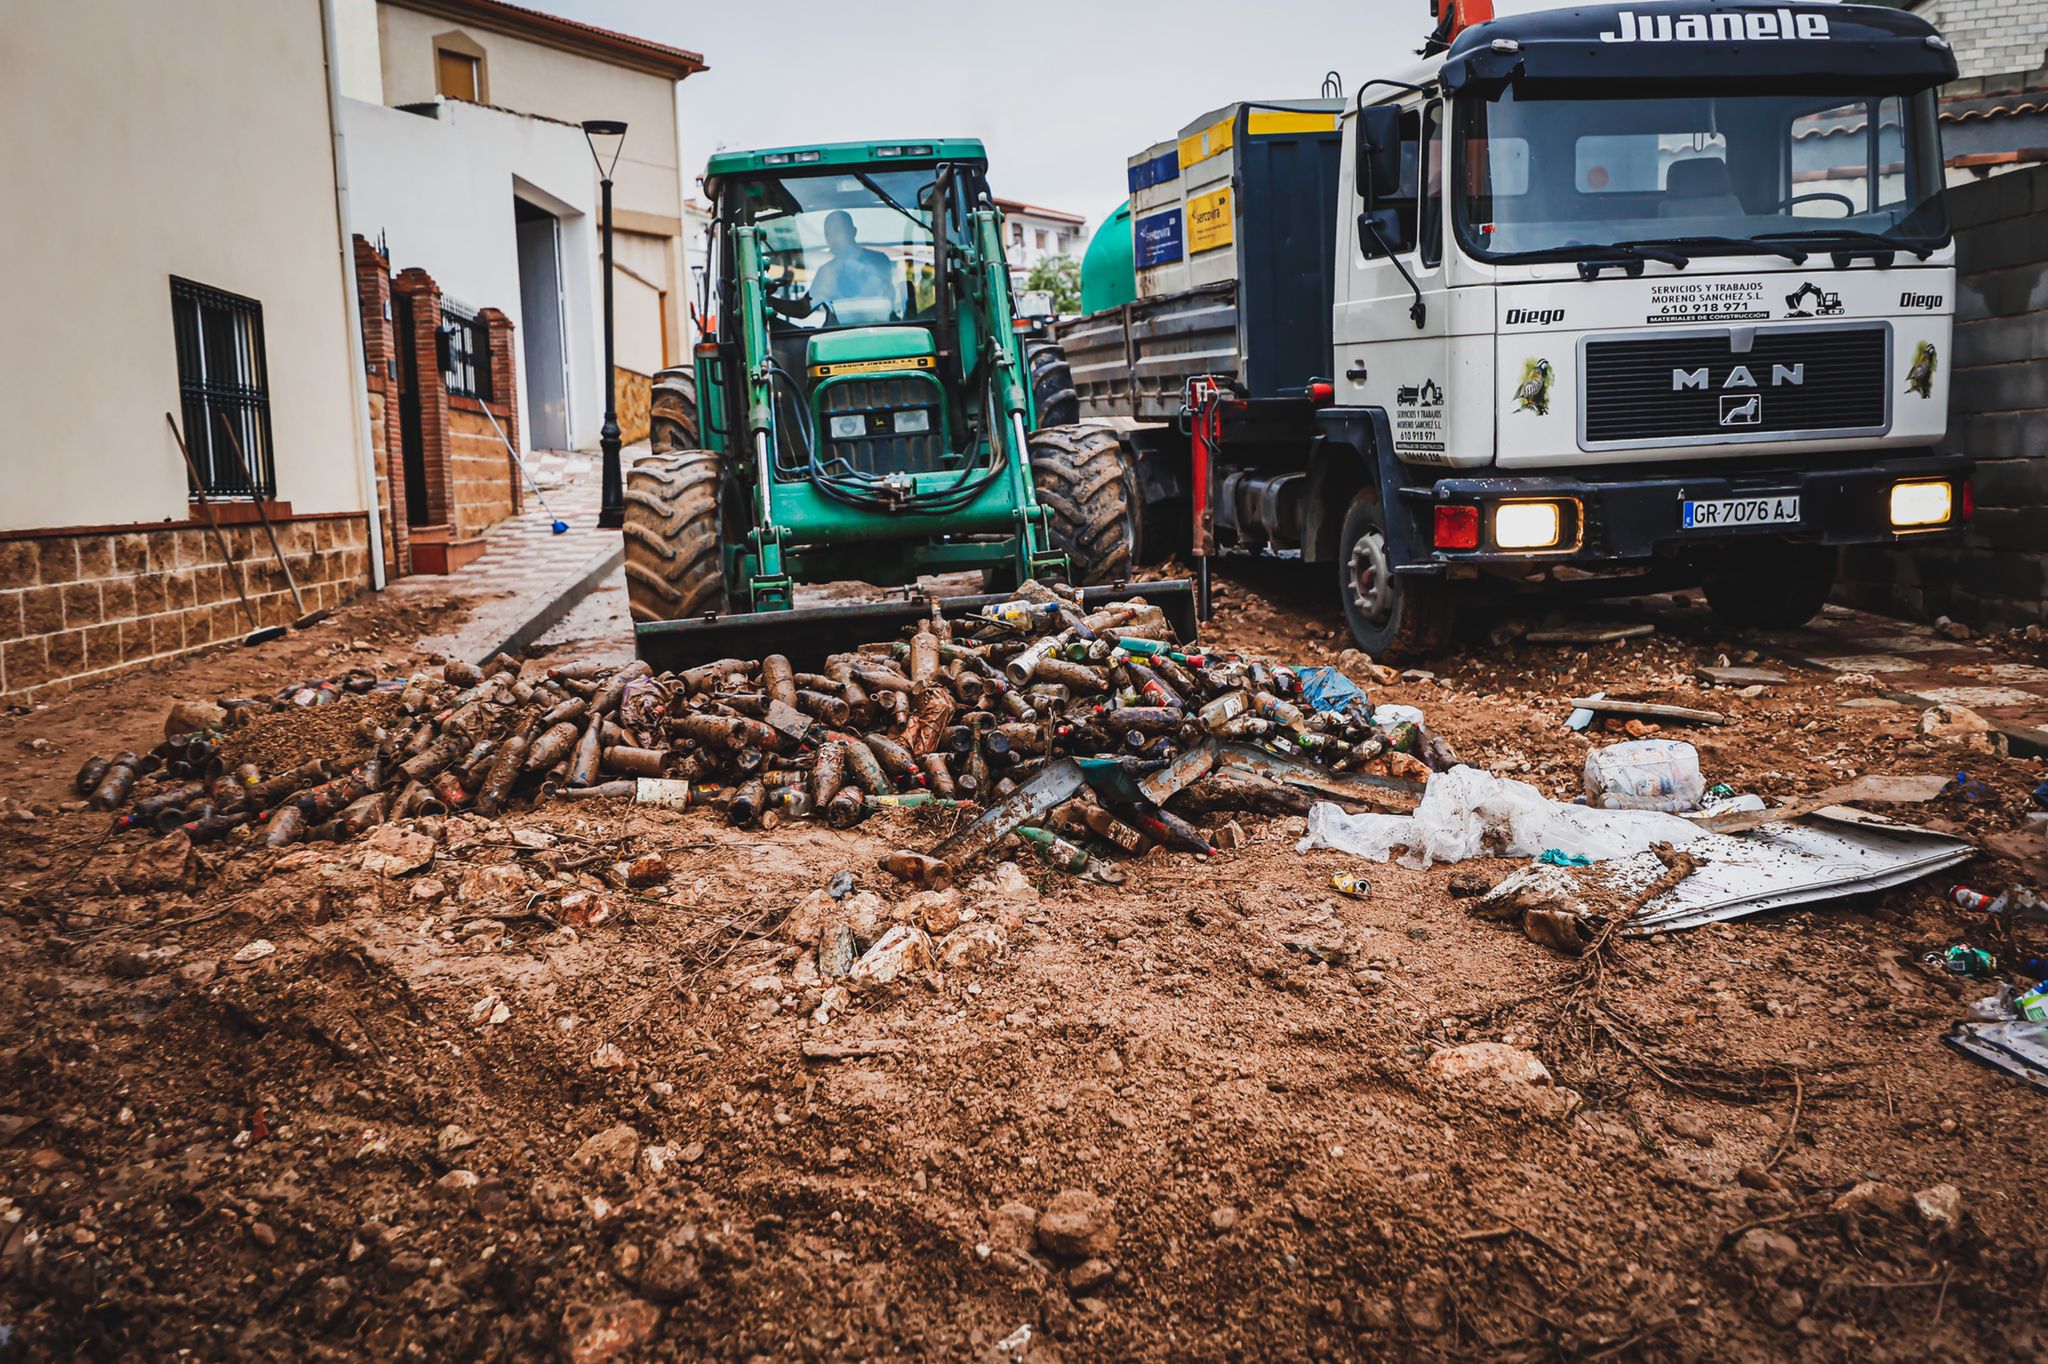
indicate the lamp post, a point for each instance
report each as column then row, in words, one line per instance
column 611, row 514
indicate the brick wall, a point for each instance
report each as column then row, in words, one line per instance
column 480, row 471
column 1997, row 576
column 1990, row 36
column 78, row 605
column 380, row 368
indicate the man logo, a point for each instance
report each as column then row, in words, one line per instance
column 1753, row 26
column 1742, row 409
column 1782, row 376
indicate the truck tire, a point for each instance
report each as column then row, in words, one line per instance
column 1052, row 384
column 675, row 560
column 672, row 414
column 1392, row 617
column 1089, row 489
column 1770, row 584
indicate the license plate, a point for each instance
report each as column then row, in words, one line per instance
column 1728, row 513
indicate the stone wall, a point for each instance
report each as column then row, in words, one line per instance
column 84, row 603
column 635, row 398
column 1997, row 575
column 1990, row 36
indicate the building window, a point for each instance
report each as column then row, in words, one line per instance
column 223, row 389
column 464, row 352
column 460, row 70
column 458, row 75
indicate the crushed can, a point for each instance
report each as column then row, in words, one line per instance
column 1351, row 883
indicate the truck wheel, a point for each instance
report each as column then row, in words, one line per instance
column 674, row 547
column 672, row 417
column 1392, row 617
column 1052, row 384
column 1090, row 494
column 1770, row 584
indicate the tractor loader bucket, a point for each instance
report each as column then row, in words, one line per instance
column 808, row 635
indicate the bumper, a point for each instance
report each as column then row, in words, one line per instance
column 1643, row 519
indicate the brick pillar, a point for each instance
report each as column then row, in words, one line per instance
column 436, row 446
column 380, row 367
column 504, row 404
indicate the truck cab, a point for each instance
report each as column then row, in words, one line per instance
column 1659, row 287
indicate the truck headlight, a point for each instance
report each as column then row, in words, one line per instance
column 913, row 421
column 1527, row 525
column 1926, row 503
column 851, row 427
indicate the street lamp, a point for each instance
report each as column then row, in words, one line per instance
column 611, row 514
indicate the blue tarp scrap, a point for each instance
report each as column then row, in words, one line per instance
column 1328, row 689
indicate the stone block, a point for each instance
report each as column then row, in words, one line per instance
column 67, row 652
column 137, row 641
column 95, row 556
column 82, row 605
column 117, row 598
column 102, row 647
column 2000, row 245
column 2000, row 293
column 18, row 560
column 24, row 663
column 2001, row 388
column 1981, row 202
column 2001, row 340
column 56, row 561
column 42, row 610
column 131, row 554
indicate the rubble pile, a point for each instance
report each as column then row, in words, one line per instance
column 958, row 715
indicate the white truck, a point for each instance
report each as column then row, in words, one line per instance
column 1660, row 290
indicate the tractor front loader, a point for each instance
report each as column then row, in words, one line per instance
column 860, row 409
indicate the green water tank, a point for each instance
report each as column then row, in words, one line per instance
column 1109, row 271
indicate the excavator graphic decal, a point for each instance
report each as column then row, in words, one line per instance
column 1824, row 304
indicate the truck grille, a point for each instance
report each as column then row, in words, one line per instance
column 1801, row 381
column 883, row 451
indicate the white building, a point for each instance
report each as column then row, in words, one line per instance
column 1032, row 234
column 465, row 155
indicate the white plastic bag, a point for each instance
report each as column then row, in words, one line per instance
column 1645, row 774
column 1468, row 813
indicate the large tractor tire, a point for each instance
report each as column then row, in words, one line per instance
column 1089, row 489
column 1393, row 617
column 672, row 415
column 1052, row 384
column 674, row 544
column 1770, row 584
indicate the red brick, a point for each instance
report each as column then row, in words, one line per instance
column 95, row 556
column 57, row 561
column 25, row 663
column 82, row 605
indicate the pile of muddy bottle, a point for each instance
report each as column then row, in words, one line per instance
column 956, row 714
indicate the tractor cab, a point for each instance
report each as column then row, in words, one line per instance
column 876, row 361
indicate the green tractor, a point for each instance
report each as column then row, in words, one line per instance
column 860, row 409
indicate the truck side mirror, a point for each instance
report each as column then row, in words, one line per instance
column 1378, row 171
column 1379, row 233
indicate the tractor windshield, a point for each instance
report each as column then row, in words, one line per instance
column 1553, row 176
column 845, row 248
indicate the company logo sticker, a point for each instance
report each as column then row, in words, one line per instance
column 1810, row 300
column 1535, row 317
column 1742, row 409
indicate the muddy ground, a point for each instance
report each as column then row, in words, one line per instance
column 1190, row 1117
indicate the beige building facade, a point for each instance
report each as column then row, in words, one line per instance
column 178, row 248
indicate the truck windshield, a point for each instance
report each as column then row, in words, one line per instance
column 1550, row 178
column 845, row 248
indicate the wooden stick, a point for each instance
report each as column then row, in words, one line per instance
column 220, row 541
column 263, row 513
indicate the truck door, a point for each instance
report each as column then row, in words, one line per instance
column 1386, row 358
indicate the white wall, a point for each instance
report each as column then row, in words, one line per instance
column 441, row 191
column 141, row 140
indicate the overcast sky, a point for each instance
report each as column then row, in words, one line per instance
column 1061, row 92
